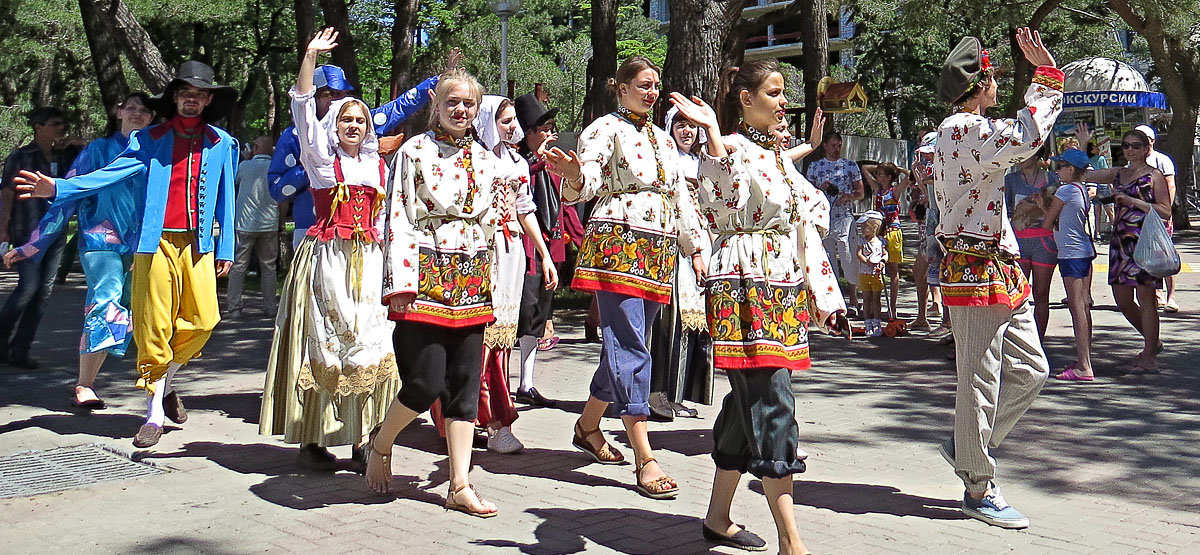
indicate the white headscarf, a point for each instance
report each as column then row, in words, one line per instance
column 485, row 123
column 669, row 123
column 370, row 143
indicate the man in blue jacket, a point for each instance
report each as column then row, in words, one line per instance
column 286, row 176
column 186, row 166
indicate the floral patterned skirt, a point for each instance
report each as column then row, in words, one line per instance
column 758, row 324
column 620, row 258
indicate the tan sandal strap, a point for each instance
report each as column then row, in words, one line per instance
column 386, row 456
column 643, row 464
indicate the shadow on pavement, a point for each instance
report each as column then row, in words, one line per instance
column 621, row 530
column 861, row 499
column 115, row 426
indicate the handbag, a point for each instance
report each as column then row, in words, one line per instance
column 1155, row 252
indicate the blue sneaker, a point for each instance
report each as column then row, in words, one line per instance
column 946, row 448
column 994, row 510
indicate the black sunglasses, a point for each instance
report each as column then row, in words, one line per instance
column 1132, row 146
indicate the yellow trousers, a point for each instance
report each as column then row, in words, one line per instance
column 174, row 304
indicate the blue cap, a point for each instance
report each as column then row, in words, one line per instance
column 1074, row 157
column 333, row 77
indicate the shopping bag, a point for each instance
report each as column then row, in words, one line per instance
column 1155, row 253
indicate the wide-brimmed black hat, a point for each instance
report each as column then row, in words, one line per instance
column 531, row 112
column 199, row 75
column 963, row 66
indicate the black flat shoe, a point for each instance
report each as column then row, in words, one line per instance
column 533, row 397
column 743, row 539
column 684, row 411
column 315, row 457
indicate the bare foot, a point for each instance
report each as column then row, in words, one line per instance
column 379, row 469
column 652, row 471
column 84, row 394
column 468, row 500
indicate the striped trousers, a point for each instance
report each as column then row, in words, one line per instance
column 1001, row 369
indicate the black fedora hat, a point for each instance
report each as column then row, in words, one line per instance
column 531, row 112
column 199, row 75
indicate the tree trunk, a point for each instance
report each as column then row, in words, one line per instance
column 814, row 32
column 1178, row 66
column 598, row 101
column 106, row 60
column 305, row 26
column 337, row 15
column 698, row 32
column 143, row 55
column 1022, row 69
column 403, row 24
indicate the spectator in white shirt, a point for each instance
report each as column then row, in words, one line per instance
column 1166, row 165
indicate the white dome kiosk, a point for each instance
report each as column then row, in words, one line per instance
column 1111, row 97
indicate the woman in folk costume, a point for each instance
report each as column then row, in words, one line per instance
column 680, row 347
column 643, row 216
column 331, row 372
column 767, row 264
column 497, row 128
column 444, row 214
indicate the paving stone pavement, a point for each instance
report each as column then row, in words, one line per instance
column 1112, row 466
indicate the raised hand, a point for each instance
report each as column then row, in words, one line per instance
column 325, row 41
column 1083, row 135
column 1031, row 45
column 818, row 128
column 697, row 110
column 563, row 164
column 453, row 59
column 34, row 184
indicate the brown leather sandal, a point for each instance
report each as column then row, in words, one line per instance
column 453, row 504
column 662, row 487
column 606, row 454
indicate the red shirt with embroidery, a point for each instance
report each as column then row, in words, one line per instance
column 182, row 210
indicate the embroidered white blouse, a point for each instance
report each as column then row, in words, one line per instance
column 441, row 210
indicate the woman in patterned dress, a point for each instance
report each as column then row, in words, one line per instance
column 444, row 213
column 498, row 130
column 643, row 214
column 331, row 372
column 1137, row 189
column 768, row 276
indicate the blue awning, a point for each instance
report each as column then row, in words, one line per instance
column 1132, row 99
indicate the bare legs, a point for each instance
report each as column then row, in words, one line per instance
column 1078, row 301
column 459, row 435
column 1042, row 276
column 89, row 367
column 893, row 272
column 635, row 428
column 920, row 274
column 1142, row 314
column 778, row 492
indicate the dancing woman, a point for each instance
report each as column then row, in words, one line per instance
column 762, row 274
column 643, row 214
column 109, row 222
column 331, row 372
column 443, row 218
column 498, row 130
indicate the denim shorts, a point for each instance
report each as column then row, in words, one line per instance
column 1075, row 267
column 1039, row 250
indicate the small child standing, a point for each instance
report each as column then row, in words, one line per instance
column 870, row 270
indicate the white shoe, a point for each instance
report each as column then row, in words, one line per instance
column 504, row 442
column 939, row 332
column 801, row 454
column 876, row 328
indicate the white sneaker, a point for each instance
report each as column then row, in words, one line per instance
column 876, row 328
column 504, row 442
column 939, row 332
